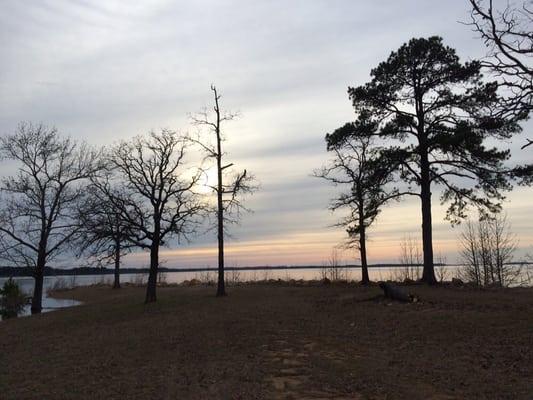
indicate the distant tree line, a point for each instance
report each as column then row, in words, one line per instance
column 68, row 197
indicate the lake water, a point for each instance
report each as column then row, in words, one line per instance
column 352, row 273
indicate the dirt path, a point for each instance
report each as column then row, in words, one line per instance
column 293, row 379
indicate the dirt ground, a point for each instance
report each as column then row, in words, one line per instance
column 273, row 342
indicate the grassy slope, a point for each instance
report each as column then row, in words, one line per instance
column 277, row 342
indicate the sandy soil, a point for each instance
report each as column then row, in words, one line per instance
column 273, row 342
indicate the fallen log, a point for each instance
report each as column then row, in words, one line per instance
column 396, row 293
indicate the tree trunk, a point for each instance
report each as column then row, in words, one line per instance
column 152, row 276
column 116, row 283
column 365, row 280
column 37, row 299
column 221, row 286
column 428, row 274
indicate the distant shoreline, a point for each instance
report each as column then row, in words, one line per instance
column 6, row 272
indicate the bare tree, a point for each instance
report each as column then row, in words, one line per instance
column 508, row 35
column 228, row 189
column 470, row 254
column 441, row 273
column 161, row 203
column 332, row 269
column 105, row 236
column 526, row 278
column 487, row 249
column 38, row 204
column 410, row 259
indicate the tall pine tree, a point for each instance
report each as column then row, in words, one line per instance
column 436, row 115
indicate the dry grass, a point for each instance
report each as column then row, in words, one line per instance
column 273, row 342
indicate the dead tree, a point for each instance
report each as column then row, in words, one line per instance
column 228, row 189
column 38, row 204
column 161, row 203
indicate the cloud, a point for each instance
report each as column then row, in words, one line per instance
column 103, row 71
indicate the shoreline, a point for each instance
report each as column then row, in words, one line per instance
column 6, row 272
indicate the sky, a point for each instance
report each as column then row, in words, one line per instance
column 104, row 71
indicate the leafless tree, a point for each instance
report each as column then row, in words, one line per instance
column 508, row 35
column 228, row 189
column 332, row 269
column 526, row 278
column 487, row 248
column 105, row 236
column 38, row 204
column 410, row 260
column 441, row 273
column 161, row 203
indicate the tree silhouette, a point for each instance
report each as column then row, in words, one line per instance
column 360, row 165
column 486, row 250
column 507, row 33
column 227, row 189
column 38, row 205
column 508, row 37
column 161, row 202
column 105, row 235
column 435, row 114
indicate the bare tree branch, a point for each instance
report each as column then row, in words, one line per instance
column 37, row 218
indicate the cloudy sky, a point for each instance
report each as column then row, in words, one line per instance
column 102, row 71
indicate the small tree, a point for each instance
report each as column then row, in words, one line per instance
column 160, row 203
column 38, row 205
column 228, row 189
column 410, row 259
column 435, row 115
column 12, row 299
column 105, row 236
column 333, row 269
column 487, row 248
column 441, row 272
column 361, row 167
